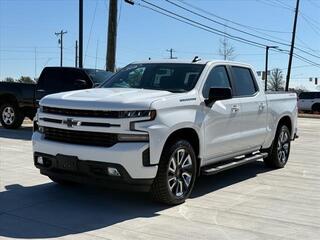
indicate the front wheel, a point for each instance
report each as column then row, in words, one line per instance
column 176, row 173
column 11, row 116
column 280, row 149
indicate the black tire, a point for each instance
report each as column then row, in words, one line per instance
column 280, row 149
column 316, row 107
column 61, row 181
column 182, row 178
column 11, row 116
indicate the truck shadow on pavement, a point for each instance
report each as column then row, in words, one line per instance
column 23, row 133
column 49, row 210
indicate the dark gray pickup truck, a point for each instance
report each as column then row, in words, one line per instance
column 20, row 100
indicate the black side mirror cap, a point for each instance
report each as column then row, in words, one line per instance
column 218, row 93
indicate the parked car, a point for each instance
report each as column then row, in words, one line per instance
column 156, row 126
column 309, row 101
column 20, row 100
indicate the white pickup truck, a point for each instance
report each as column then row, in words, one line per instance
column 157, row 125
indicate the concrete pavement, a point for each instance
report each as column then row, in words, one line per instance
column 250, row 202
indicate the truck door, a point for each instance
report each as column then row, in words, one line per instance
column 222, row 127
column 253, row 114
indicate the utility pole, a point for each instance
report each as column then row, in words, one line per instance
column 112, row 35
column 76, row 55
column 292, row 44
column 266, row 69
column 95, row 65
column 35, row 63
column 171, row 53
column 80, row 33
column 61, row 33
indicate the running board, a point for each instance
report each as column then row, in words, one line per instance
column 219, row 167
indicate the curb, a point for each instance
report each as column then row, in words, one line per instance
column 304, row 115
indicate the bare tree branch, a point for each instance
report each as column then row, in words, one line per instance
column 226, row 50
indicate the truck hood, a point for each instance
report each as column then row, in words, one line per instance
column 105, row 99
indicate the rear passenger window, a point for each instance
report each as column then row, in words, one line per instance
column 69, row 77
column 244, row 82
column 50, row 80
column 218, row 77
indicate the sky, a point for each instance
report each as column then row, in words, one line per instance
column 28, row 42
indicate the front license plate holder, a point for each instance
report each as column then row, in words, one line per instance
column 67, row 163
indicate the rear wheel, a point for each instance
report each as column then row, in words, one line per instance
column 176, row 173
column 280, row 149
column 11, row 116
column 316, row 107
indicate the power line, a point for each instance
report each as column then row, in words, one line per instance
column 225, row 25
column 91, row 26
column 273, row 4
column 206, row 28
column 202, row 26
column 244, row 32
column 256, row 29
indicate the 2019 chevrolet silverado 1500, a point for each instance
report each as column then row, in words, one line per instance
column 158, row 125
column 20, row 100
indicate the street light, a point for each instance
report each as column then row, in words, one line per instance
column 266, row 70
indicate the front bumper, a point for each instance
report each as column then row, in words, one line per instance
column 90, row 172
column 127, row 155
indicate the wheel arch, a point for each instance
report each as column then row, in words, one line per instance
column 285, row 120
column 189, row 134
column 315, row 106
column 8, row 98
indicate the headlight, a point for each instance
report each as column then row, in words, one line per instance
column 133, row 137
column 139, row 114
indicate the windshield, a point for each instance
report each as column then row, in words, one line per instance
column 98, row 76
column 158, row 76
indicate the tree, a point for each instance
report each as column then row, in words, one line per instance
column 226, row 50
column 300, row 89
column 9, row 79
column 276, row 82
column 24, row 79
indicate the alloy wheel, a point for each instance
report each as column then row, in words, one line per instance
column 283, row 146
column 8, row 115
column 180, row 172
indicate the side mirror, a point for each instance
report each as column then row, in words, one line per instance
column 80, row 84
column 216, row 94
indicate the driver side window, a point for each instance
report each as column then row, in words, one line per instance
column 218, row 77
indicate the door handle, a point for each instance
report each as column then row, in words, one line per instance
column 40, row 90
column 235, row 108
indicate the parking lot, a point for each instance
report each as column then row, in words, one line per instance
column 250, row 202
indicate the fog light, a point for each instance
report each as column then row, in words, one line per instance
column 40, row 160
column 113, row 172
column 41, row 129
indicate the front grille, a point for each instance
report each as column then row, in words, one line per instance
column 82, row 113
column 80, row 137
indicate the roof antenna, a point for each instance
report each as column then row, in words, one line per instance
column 196, row 59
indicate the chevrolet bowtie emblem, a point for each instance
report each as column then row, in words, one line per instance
column 70, row 122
